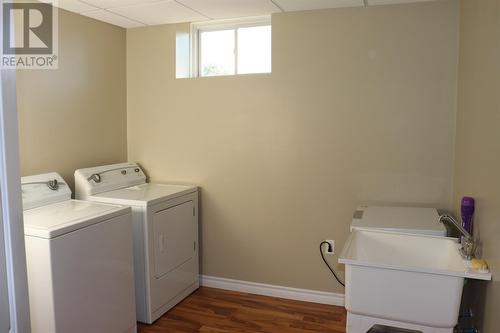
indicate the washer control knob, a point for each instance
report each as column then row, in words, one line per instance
column 53, row 184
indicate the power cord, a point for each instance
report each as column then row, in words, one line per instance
column 326, row 262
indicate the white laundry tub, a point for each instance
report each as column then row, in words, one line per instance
column 408, row 281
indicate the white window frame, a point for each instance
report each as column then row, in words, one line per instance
column 215, row 25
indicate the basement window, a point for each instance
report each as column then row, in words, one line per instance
column 231, row 47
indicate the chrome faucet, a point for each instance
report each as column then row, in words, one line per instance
column 467, row 242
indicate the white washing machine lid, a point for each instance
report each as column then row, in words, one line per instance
column 144, row 194
column 412, row 220
column 63, row 217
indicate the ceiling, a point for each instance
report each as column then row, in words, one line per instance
column 138, row 13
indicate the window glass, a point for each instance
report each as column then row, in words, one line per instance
column 217, row 52
column 254, row 50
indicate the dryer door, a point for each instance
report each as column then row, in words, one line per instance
column 174, row 237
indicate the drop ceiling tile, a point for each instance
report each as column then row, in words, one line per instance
column 293, row 5
column 392, row 2
column 71, row 5
column 219, row 9
column 117, row 3
column 111, row 18
column 163, row 12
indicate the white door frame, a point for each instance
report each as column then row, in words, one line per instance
column 12, row 254
column 4, row 289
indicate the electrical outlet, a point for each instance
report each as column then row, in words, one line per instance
column 332, row 247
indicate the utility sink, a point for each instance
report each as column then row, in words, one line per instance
column 405, row 280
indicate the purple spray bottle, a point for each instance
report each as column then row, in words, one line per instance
column 467, row 210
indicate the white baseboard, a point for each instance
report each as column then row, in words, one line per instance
column 306, row 295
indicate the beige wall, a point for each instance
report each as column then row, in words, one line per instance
column 477, row 164
column 75, row 116
column 360, row 107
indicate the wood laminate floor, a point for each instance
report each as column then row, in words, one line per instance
column 211, row 310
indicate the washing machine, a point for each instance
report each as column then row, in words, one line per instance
column 165, row 220
column 79, row 260
column 412, row 220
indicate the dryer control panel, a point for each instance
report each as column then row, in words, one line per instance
column 91, row 181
